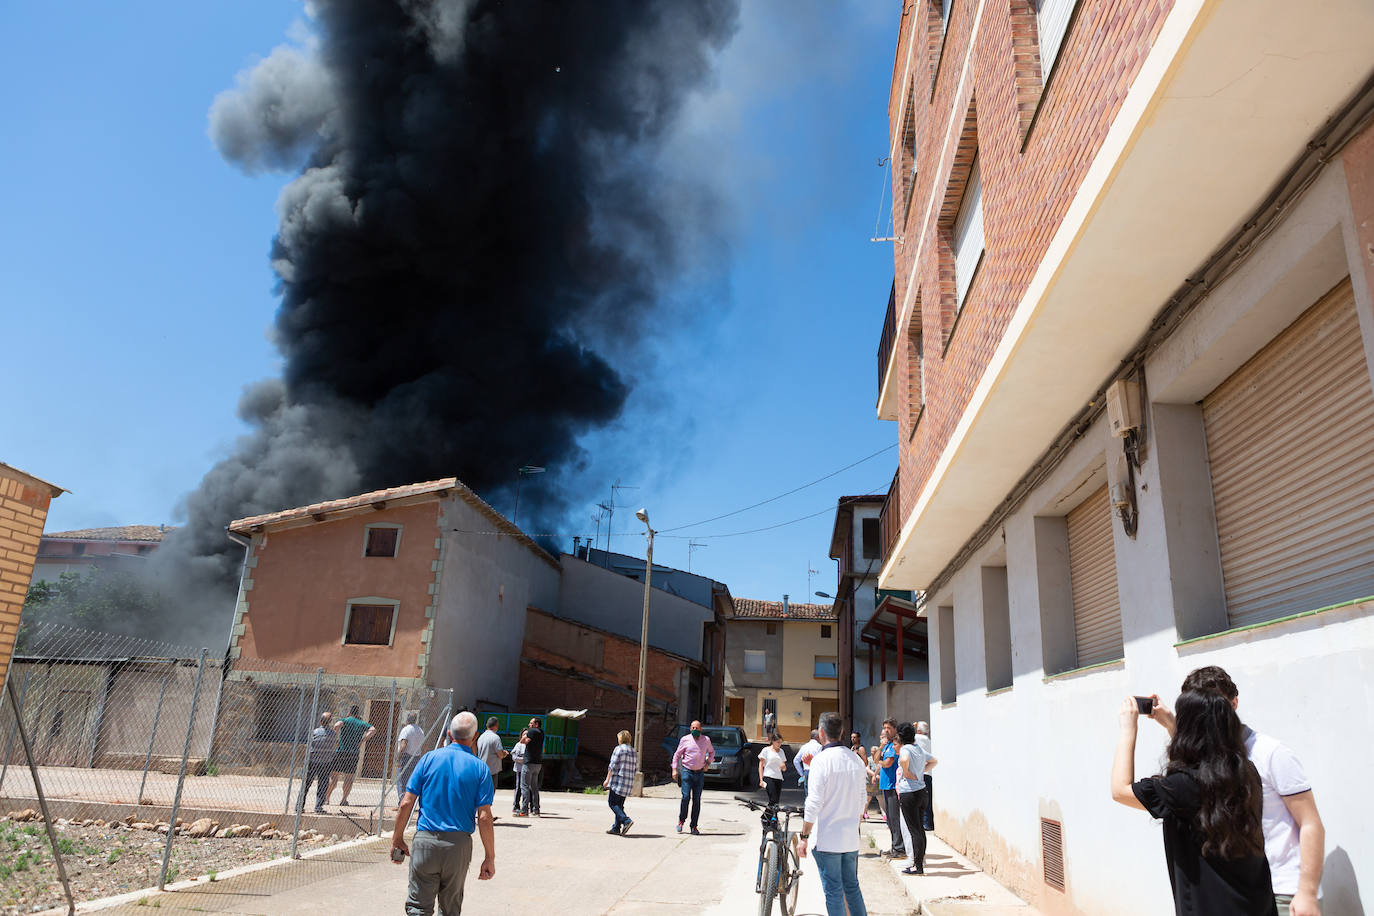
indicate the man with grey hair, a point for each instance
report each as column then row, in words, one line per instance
column 454, row 790
column 835, row 800
column 923, row 740
column 319, row 755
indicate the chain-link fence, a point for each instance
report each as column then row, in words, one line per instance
column 180, row 764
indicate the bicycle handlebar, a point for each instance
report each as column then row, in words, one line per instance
column 755, row 806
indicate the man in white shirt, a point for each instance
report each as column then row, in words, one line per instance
column 834, row 803
column 409, row 743
column 803, row 758
column 1294, row 838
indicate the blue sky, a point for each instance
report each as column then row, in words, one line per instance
column 134, row 277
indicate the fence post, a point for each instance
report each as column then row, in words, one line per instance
column 181, row 776
column 9, row 745
column 295, row 739
column 386, row 761
column 300, row 802
column 42, row 800
column 148, row 758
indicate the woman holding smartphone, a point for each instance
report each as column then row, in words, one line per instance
column 1209, row 798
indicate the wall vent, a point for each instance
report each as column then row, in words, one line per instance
column 1052, row 852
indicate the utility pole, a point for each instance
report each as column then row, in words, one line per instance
column 643, row 516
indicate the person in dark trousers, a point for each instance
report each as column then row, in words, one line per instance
column 887, row 786
column 693, row 755
column 620, row 782
column 772, row 764
column 912, row 765
column 1211, row 802
column 923, row 739
column 534, row 769
column 353, row 734
column 454, row 791
column 319, row 758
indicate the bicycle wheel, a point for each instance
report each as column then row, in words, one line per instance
column 789, row 882
column 771, row 863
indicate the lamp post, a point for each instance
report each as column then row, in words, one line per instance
column 643, row 516
column 520, row 475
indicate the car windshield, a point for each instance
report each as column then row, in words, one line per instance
column 723, row 737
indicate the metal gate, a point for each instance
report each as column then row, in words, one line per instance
column 1092, row 575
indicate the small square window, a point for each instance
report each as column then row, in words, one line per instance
column 381, row 542
column 772, row 629
column 755, row 662
column 826, row 666
column 369, row 624
column 825, row 631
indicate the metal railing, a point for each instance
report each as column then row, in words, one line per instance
column 144, row 736
column 889, row 337
column 890, row 519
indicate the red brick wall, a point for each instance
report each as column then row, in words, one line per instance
column 1026, row 192
column 23, row 512
column 610, row 705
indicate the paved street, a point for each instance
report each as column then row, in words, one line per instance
column 564, row 858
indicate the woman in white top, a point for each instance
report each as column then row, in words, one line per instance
column 772, row 763
column 912, row 764
column 517, row 756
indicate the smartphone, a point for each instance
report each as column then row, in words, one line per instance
column 1146, row 705
column 397, row 854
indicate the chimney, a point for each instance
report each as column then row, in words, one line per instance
column 784, row 605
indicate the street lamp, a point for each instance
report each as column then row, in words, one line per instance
column 643, row 516
column 824, row 595
column 520, row 474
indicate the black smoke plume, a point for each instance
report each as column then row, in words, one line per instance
column 475, row 245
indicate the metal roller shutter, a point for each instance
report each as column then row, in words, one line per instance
column 1092, row 576
column 1290, row 439
column 968, row 234
column 1052, row 22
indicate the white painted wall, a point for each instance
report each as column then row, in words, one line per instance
column 1044, row 748
column 486, row 583
column 613, row 602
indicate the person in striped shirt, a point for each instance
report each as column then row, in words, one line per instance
column 620, row 781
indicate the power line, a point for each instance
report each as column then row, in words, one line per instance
column 771, row 499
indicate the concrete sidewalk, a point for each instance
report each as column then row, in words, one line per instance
column 952, row 885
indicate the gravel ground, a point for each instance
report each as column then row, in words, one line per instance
column 102, row 861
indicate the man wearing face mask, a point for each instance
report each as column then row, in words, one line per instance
column 693, row 755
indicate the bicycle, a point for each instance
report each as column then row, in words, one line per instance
column 779, row 872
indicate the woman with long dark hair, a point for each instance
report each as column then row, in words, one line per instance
column 1209, row 798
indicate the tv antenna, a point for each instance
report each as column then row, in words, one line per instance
column 693, row 546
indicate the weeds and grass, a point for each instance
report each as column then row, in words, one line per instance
column 212, row 876
column 113, row 857
column 212, row 769
column 594, row 790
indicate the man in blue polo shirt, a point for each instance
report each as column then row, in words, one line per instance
column 887, row 784
column 454, row 790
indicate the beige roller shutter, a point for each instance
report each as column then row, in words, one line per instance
column 1290, row 439
column 1092, row 575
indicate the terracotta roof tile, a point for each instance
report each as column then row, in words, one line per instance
column 772, row 610
column 120, row 533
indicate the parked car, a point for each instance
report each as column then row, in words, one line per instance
column 736, row 758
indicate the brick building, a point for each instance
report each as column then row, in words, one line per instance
column 1127, row 353
column 24, row 501
column 571, row 665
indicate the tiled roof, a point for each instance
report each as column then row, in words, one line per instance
column 772, row 610
column 9, row 470
column 122, row 533
column 442, row 487
column 869, row 498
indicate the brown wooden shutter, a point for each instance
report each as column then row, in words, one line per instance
column 370, row 625
column 1290, row 440
column 381, row 542
column 1092, row 575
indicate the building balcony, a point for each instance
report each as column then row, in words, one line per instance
column 1228, row 98
column 887, row 383
column 890, row 521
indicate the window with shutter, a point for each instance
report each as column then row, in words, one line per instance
column 968, row 235
column 1052, row 22
column 382, row 541
column 369, row 624
column 1290, row 447
column 1092, row 580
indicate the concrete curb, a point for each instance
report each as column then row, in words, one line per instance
column 105, row 903
column 952, row 884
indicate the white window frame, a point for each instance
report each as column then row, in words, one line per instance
column 1052, row 19
column 348, row 618
column 367, row 535
column 756, row 655
column 969, row 240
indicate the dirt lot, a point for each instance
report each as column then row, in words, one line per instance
column 102, row 861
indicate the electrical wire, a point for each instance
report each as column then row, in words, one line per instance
column 772, row 499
